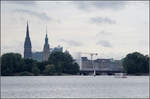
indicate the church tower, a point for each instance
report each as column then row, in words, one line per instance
column 27, row 45
column 46, row 49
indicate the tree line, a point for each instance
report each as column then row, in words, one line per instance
column 136, row 63
column 58, row 63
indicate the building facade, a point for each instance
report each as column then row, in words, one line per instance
column 100, row 65
column 37, row 56
column 27, row 45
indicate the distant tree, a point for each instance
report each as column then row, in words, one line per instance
column 14, row 64
column 75, row 68
column 49, row 69
column 72, row 68
column 147, row 59
column 41, row 66
column 59, row 68
column 35, row 70
column 63, row 63
column 29, row 64
column 11, row 63
column 135, row 63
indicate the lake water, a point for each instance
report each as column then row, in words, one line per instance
column 74, row 87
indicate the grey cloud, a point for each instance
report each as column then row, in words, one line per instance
column 42, row 16
column 114, row 5
column 100, row 20
column 71, row 42
column 102, row 33
column 103, row 38
column 104, row 43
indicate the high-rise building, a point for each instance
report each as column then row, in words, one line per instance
column 27, row 45
column 46, row 49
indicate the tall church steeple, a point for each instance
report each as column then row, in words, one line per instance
column 46, row 49
column 27, row 45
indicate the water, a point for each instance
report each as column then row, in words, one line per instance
column 74, row 87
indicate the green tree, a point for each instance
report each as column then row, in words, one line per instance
column 135, row 63
column 11, row 63
column 35, row 70
column 14, row 64
column 75, row 68
column 41, row 66
column 49, row 69
column 147, row 59
column 63, row 62
column 72, row 68
column 29, row 64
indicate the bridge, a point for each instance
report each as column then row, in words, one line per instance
column 100, row 72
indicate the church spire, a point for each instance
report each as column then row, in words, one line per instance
column 27, row 32
column 46, row 38
column 27, row 45
column 46, row 49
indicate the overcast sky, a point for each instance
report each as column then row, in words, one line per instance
column 110, row 28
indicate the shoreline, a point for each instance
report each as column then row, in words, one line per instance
column 70, row 75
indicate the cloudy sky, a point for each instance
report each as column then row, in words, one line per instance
column 110, row 28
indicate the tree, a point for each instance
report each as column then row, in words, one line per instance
column 14, row 64
column 63, row 63
column 147, row 59
column 71, row 68
column 35, row 70
column 75, row 68
column 49, row 69
column 11, row 63
column 41, row 66
column 29, row 64
column 135, row 63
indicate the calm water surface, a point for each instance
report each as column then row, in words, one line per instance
column 74, row 86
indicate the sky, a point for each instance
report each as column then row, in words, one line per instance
column 110, row 28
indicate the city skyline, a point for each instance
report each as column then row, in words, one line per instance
column 112, row 29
